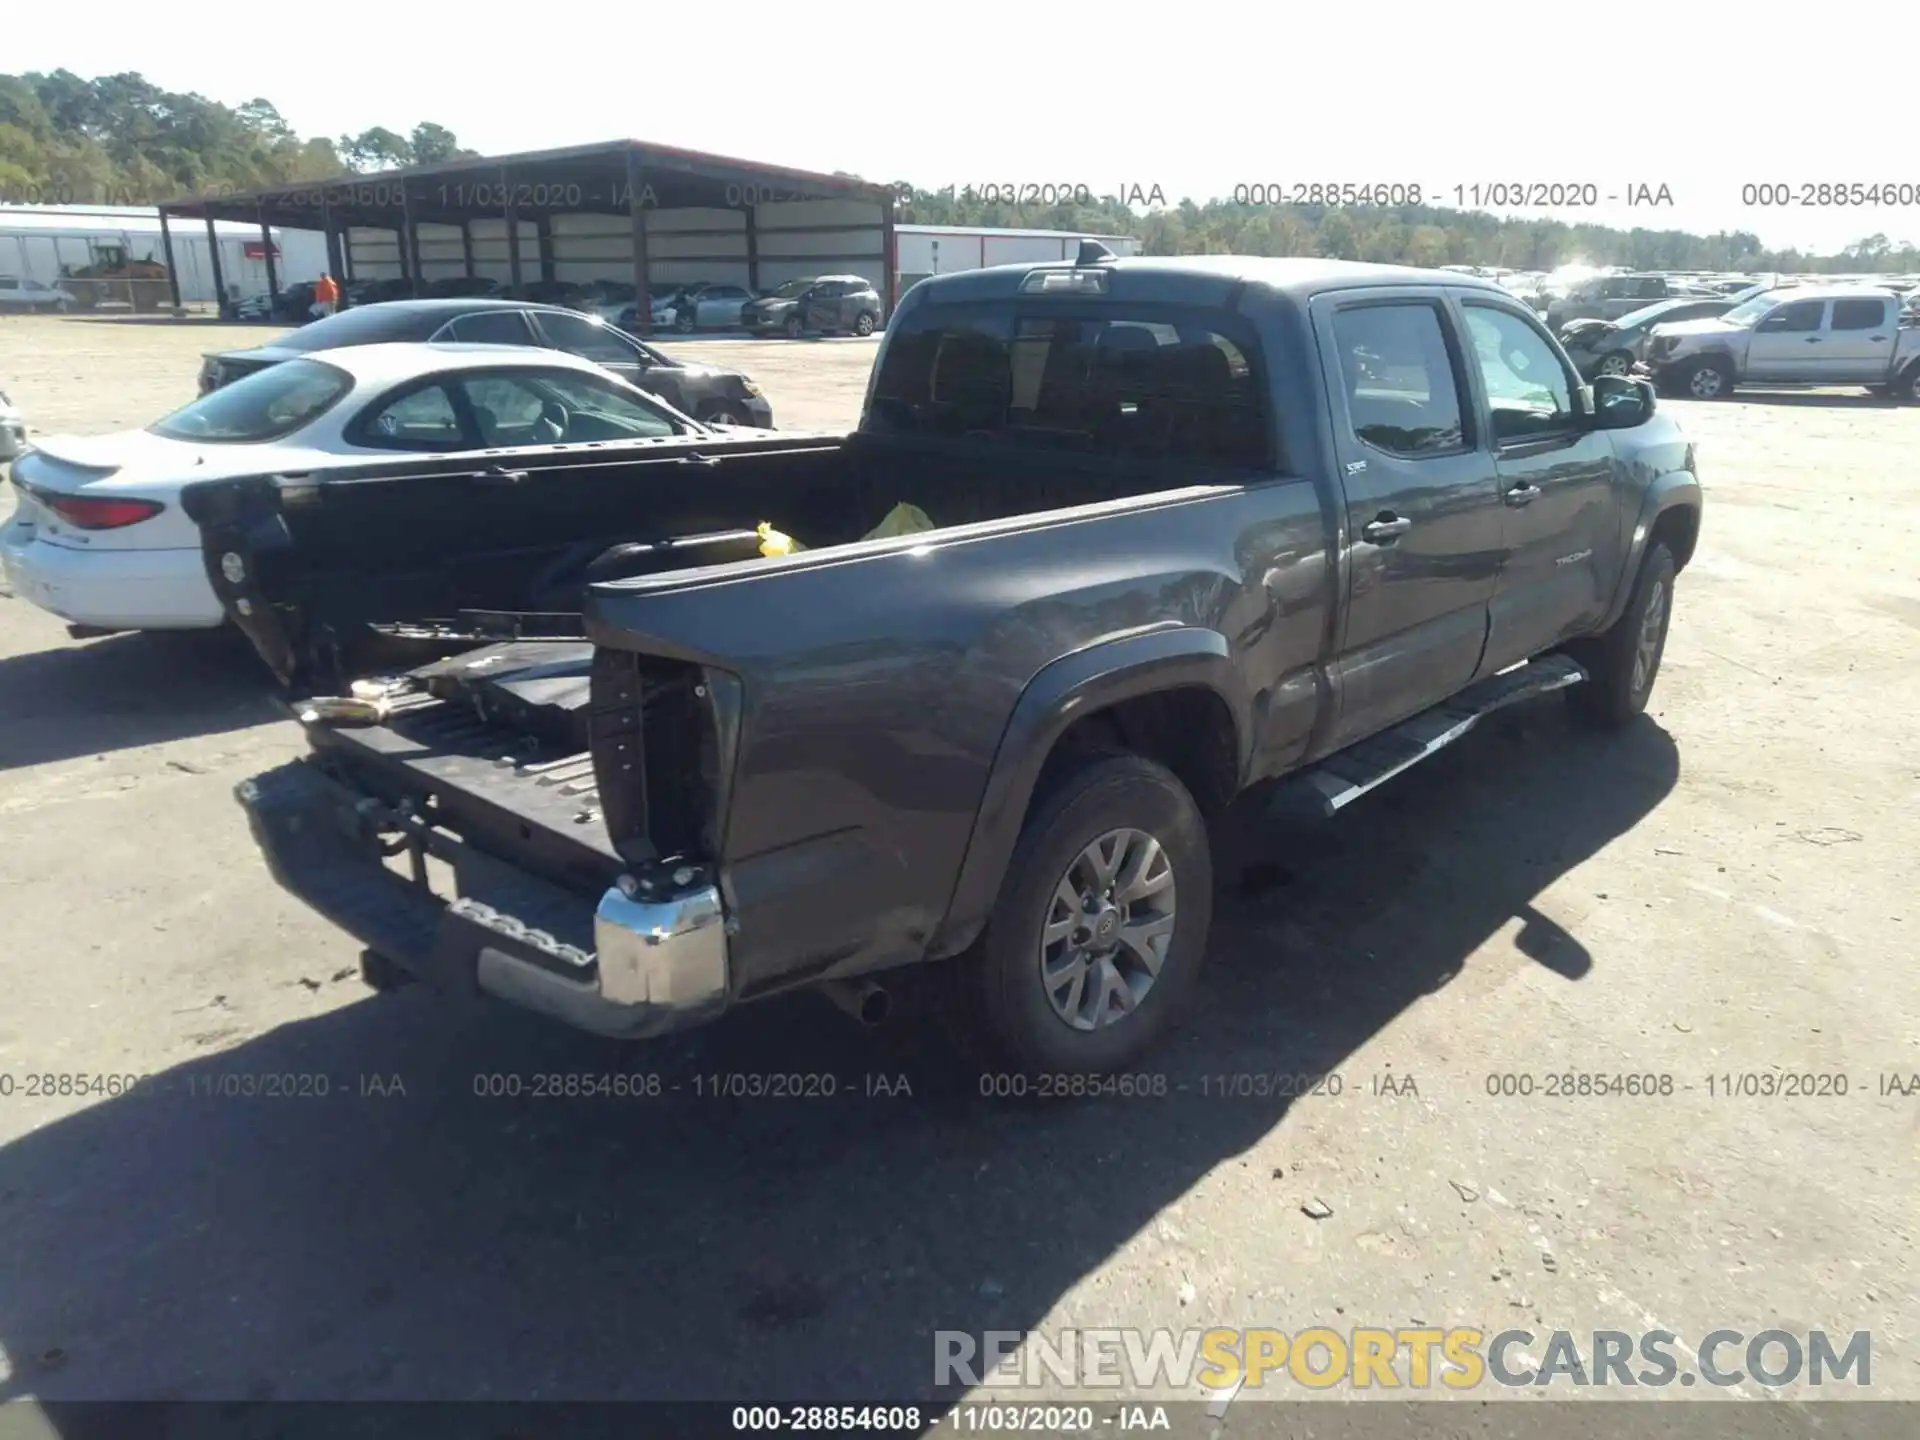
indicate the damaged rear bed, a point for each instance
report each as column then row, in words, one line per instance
column 391, row 826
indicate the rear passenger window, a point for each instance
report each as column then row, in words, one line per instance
column 422, row 419
column 490, row 327
column 1862, row 314
column 1402, row 396
column 1174, row 388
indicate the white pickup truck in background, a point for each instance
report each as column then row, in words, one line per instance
column 1808, row 335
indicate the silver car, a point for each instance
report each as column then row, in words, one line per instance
column 710, row 307
column 18, row 294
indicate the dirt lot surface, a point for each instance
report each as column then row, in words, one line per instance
column 1726, row 890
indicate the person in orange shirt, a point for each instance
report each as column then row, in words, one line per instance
column 326, row 296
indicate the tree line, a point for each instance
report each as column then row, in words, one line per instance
column 1400, row 234
column 120, row 139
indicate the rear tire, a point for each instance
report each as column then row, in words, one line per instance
column 1618, row 363
column 863, row 325
column 793, row 327
column 1907, row 388
column 1064, row 985
column 1623, row 663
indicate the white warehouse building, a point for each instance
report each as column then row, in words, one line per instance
column 923, row 250
column 44, row 242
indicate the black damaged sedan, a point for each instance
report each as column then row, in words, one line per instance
column 706, row 392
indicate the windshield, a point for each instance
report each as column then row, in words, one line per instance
column 792, row 290
column 263, row 406
column 1749, row 311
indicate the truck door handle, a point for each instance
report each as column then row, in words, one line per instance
column 1385, row 528
column 1525, row 493
column 499, row 475
column 705, row 461
column 1813, row 339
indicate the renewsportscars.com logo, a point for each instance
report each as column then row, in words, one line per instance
column 1366, row 1358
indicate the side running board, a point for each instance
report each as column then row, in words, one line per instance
column 1334, row 783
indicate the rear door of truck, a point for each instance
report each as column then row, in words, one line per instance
column 1424, row 519
column 1861, row 331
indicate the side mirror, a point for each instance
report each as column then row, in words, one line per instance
column 1621, row 402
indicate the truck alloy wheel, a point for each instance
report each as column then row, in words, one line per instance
column 1707, row 381
column 793, row 327
column 1909, row 388
column 1616, row 364
column 1108, row 928
column 1100, row 926
column 863, row 325
column 1652, row 637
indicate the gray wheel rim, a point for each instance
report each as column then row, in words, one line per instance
column 1615, row 365
column 1706, row 383
column 1653, row 628
column 722, row 417
column 1108, row 926
column 864, row 325
column 1913, row 383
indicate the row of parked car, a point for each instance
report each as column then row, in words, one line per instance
column 1783, row 334
column 819, row 304
column 1563, row 297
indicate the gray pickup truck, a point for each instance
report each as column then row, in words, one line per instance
column 1198, row 524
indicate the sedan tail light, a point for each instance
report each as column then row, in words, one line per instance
column 87, row 514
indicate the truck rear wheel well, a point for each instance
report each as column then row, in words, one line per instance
column 1679, row 530
column 1188, row 729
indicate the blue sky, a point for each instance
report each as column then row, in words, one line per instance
column 1195, row 98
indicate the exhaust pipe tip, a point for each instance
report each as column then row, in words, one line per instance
column 865, row 1001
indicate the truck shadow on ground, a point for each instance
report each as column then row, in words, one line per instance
column 97, row 696
column 194, row 1242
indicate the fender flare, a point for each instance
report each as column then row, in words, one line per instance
column 1675, row 490
column 1061, row 693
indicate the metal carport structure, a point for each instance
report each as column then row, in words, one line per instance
column 627, row 207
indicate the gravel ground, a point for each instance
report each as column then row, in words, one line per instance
column 1726, row 889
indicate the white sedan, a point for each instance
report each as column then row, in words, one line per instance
column 99, row 538
column 17, row 294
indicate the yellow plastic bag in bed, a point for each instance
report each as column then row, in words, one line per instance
column 776, row 542
column 901, row 520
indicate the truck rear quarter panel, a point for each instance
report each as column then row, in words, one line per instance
column 878, row 683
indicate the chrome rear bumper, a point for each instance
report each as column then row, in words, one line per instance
column 652, row 957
